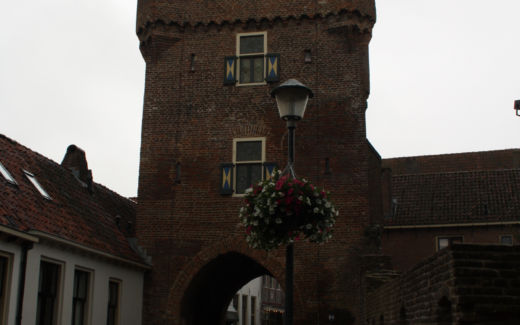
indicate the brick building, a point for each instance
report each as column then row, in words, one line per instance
column 210, row 67
column 452, row 198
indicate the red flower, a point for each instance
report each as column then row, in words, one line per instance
column 323, row 193
column 297, row 238
column 248, row 230
column 290, row 191
column 312, row 187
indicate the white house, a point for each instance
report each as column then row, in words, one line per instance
column 67, row 252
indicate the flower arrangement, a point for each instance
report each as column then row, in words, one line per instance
column 283, row 210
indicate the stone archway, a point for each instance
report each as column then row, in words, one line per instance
column 202, row 292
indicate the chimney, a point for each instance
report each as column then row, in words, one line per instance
column 89, row 181
column 386, row 182
column 76, row 160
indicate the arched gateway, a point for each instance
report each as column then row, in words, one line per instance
column 210, row 129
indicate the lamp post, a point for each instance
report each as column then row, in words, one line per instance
column 291, row 98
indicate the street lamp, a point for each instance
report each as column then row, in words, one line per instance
column 291, row 97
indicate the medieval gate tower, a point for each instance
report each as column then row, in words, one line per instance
column 210, row 128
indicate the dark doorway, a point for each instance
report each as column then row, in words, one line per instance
column 211, row 290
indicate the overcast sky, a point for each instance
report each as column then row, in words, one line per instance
column 444, row 75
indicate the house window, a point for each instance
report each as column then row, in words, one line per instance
column 37, row 185
column 506, row 240
column 46, row 309
column 4, row 285
column 7, row 175
column 113, row 303
column 253, row 308
column 248, row 156
column 79, row 298
column 443, row 242
column 235, row 305
column 251, row 50
column 244, row 310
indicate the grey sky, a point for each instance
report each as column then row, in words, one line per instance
column 444, row 77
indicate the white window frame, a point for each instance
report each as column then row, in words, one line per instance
column 119, row 296
column 235, row 141
column 4, row 307
column 239, row 35
column 36, row 184
column 87, row 313
column 58, row 303
column 449, row 236
column 5, row 173
column 512, row 239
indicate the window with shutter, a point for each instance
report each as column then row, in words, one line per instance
column 248, row 157
column 251, row 51
column 230, row 70
column 272, row 73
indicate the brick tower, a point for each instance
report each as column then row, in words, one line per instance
column 210, row 128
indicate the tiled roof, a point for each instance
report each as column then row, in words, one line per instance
column 73, row 213
column 457, row 162
column 461, row 197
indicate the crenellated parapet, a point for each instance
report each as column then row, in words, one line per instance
column 243, row 13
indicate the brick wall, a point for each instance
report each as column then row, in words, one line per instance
column 468, row 161
column 410, row 246
column 463, row 284
column 193, row 233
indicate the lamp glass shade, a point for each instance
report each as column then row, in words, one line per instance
column 292, row 102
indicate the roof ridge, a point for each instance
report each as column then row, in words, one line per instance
column 450, row 154
column 458, row 172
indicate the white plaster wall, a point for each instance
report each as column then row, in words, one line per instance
column 102, row 271
column 253, row 288
column 12, row 290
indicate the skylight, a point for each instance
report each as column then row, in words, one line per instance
column 6, row 174
column 37, row 185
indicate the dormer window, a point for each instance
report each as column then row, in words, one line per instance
column 37, row 185
column 6, row 175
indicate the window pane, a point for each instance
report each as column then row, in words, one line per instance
column 242, row 183
column 256, row 173
column 249, row 151
column 78, row 313
column 3, row 265
column 252, row 44
column 82, row 284
column 245, row 70
column 507, row 240
column 258, row 73
column 443, row 242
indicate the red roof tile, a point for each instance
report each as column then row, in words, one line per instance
column 460, row 197
column 73, row 213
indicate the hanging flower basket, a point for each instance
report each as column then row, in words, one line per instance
column 284, row 210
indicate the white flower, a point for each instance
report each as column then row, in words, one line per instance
column 318, row 201
column 313, row 237
column 271, row 211
column 333, row 210
column 274, row 194
column 330, row 236
column 249, row 190
column 279, row 172
column 337, row 213
column 308, row 201
column 329, row 225
column 327, row 205
column 316, row 210
column 303, row 180
column 266, row 220
column 255, row 223
column 278, row 220
column 322, row 212
column 300, row 198
column 241, row 209
column 316, row 194
column 309, row 226
column 289, row 213
column 248, row 239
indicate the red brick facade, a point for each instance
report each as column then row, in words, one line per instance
column 200, row 258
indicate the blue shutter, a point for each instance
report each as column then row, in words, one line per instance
column 272, row 66
column 269, row 168
column 230, row 70
column 226, row 179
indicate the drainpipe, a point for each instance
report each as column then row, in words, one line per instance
column 21, row 287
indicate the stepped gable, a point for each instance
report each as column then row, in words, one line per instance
column 73, row 213
column 230, row 11
column 467, row 161
column 460, row 197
